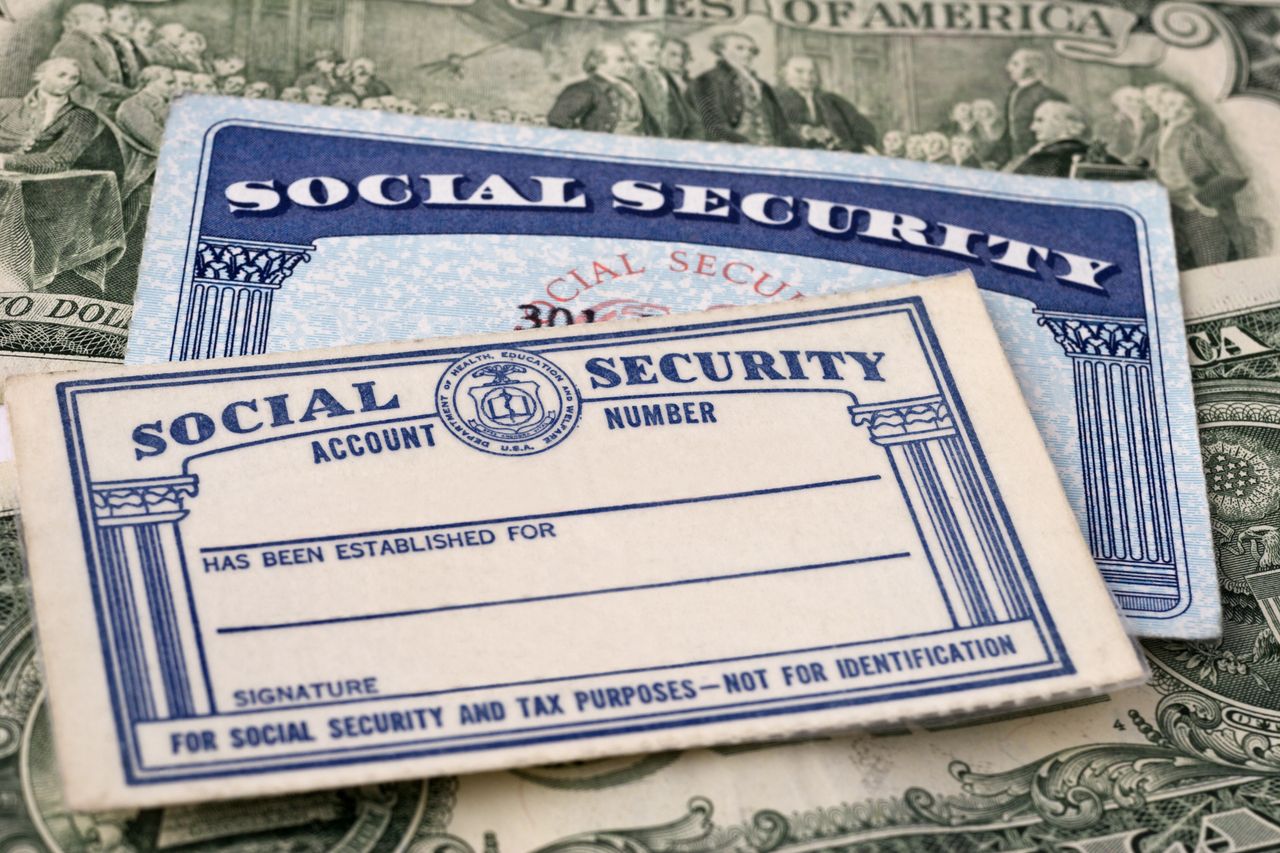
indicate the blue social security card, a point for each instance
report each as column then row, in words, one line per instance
column 276, row 227
column 397, row 560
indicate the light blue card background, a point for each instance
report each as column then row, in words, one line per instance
column 371, row 287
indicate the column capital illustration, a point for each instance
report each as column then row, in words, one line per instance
column 247, row 262
column 232, row 286
column 900, row 421
column 1129, row 496
column 1086, row 336
column 141, row 501
column 954, row 507
column 151, row 623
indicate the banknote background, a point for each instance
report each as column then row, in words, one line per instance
column 1189, row 762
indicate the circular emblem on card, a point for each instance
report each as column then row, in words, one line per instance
column 508, row 402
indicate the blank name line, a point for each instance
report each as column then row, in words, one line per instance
column 503, row 602
column 569, row 513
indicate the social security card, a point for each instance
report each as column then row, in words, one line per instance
column 358, row 564
column 279, row 228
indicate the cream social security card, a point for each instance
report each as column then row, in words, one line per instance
column 295, row 571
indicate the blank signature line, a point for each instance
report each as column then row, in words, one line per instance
column 503, row 602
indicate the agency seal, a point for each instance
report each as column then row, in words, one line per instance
column 508, row 402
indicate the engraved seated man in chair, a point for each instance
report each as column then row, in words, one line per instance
column 47, row 131
column 1062, row 134
column 49, row 141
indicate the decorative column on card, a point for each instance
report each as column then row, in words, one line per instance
column 953, row 506
column 1125, row 488
column 228, row 311
column 153, row 634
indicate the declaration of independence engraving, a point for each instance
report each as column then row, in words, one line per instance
column 1184, row 93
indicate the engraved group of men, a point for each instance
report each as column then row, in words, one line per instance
column 99, row 102
column 1158, row 127
column 97, row 78
column 101, row 98
column 331, row 81
column 1154, row 131
column 640, row 84
column 335, row 82
column 118, row 68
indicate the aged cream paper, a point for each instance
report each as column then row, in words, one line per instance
column 303, row 570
